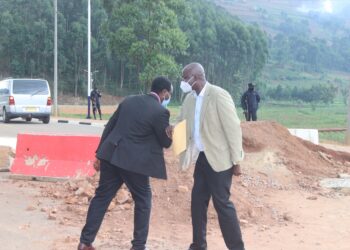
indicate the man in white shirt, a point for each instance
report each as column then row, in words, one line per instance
column 213, row 128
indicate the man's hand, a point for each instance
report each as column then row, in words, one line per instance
column 169, row 131
column 236, row 170
column 97, row 165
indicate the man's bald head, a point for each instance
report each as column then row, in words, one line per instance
column 193, row 69
column 194, row 75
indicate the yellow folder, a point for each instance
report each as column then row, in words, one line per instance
column 179, row 138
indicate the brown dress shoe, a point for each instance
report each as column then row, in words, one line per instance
column 82, row 246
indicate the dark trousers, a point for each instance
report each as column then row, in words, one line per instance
column 207, row 184
column 111, row 179
column 251, row 115
column 98, row 107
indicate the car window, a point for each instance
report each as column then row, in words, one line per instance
column 32, row 87
column 4, row 88
column 4, row 91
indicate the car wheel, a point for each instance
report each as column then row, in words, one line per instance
column 5, row 117
column 28, row 119
column 46, row 119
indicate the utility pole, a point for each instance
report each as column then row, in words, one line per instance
column 347, row 137
column 55, row 64
column 89, row 58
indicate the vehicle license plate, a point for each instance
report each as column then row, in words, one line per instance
column 31, row 109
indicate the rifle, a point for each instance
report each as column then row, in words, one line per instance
column 245, row 112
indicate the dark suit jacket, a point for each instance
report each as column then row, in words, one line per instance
column 134, row 137
column 250, row 100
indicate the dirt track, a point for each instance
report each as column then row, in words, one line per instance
column 81, row 109
column 278, row 198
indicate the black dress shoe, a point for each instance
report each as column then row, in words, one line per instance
column 192, row 248
column 82, row 246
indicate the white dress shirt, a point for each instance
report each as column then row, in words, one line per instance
column 197, row 115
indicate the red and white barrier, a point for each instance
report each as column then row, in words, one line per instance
column 55, row 155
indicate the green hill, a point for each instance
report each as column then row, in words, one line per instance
column 309, row 41
column 270, row 14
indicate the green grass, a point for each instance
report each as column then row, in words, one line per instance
column 331, row 116
column 83, row 116
column 174, row 111
column 77, row 116
column 338, row 137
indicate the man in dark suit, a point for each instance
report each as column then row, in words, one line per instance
column 95, row 96
column 250, row 103
column 131, row 151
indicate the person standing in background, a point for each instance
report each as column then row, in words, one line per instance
column 95, row 96
column 250, row 103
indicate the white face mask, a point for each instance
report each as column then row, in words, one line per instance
column 165, row 102
column 185, row 86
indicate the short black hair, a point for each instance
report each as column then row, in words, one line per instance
column 160, row 83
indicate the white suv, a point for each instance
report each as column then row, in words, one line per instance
column 26, row 98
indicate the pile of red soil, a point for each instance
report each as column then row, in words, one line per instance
column 297, row 154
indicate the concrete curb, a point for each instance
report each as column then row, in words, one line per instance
column 85, row 123
column 62, row 121
column 94, row 124
column 37, row 178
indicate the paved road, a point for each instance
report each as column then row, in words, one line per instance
column 9, row 131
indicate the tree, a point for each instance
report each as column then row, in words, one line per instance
column 231, row 52
column 132, row 42
column 145, row 34
column 315, row 94
column 24, row 47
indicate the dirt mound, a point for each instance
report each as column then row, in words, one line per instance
column 297, row 154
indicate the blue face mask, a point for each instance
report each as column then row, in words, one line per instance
column 165, row 102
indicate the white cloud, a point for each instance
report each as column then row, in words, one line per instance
column 328, row 6
column 323, row 6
